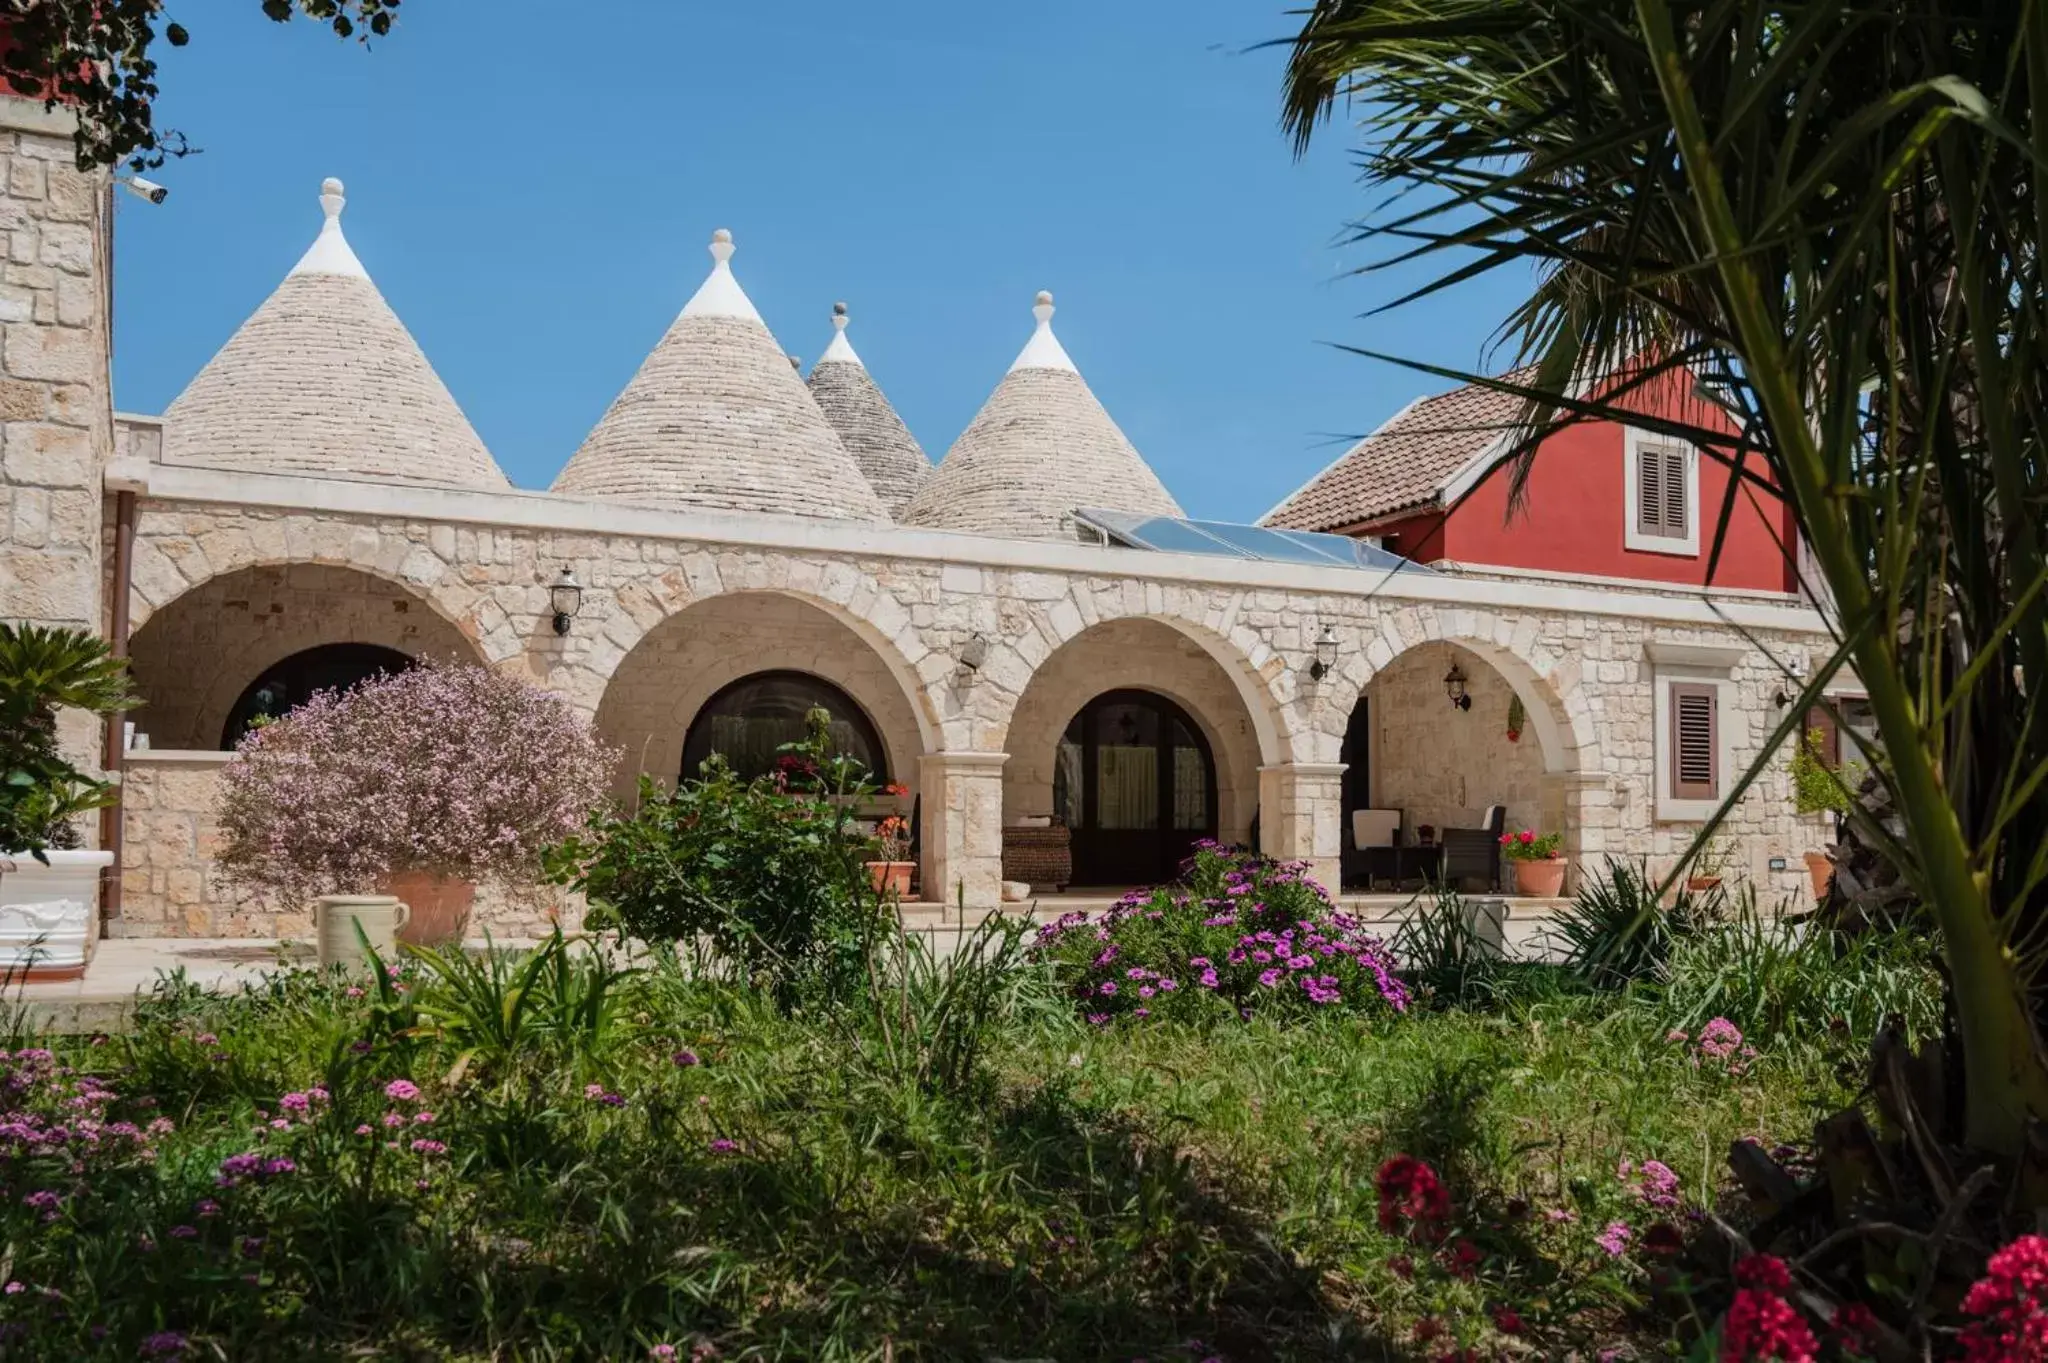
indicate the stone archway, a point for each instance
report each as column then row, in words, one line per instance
column 1145, row 655
column 678, row 665
column 196, row 655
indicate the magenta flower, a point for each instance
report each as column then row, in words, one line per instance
column 685, row 1058
column 401, row 1090
column 722, row 1146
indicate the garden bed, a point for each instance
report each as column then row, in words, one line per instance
column 620, row 1165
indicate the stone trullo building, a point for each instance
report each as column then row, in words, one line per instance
column 1025, row 629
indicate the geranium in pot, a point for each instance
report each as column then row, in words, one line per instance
column 892, row 867
column 49, row 886
column 1539, row 868
column 418, row 785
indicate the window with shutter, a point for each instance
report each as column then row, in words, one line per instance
column 1649, row 493
column 1828, row 746
column 1677, row 516
column 1695, row 742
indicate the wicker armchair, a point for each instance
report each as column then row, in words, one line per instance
column 1474, row 853
column 1043, row 858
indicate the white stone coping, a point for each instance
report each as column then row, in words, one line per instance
column 176, row 757
column 548, row 512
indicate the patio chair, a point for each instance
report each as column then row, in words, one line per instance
column 1375, row 833
column 1474, row 853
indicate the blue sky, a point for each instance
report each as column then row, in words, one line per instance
column 534, row 196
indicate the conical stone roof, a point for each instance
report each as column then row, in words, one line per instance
column 1040, row 447
column 895, row 464
column 324, row 380
column 718, row 418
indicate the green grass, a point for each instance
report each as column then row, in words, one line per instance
column 1163, row 1191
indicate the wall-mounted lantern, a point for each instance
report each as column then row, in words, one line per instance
column 1326, row 655
column 973, row 653
column 1454, row 687
column 566, row 596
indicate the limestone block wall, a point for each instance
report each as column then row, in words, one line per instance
column 193, row 661
column 1234, row 647
column 1443, row 766
column 660, row 686
column 56, row 422
column 1142, row 655
column 170, row 886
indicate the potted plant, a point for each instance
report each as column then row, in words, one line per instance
column 1539, row 869
column 1818, row 788
column 49, row 886
column 1706, row 871
column 891, row 871
column 416, row 785
column 1517, row 717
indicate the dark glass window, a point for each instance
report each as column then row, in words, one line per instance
column 285, row 686
column 751, row 719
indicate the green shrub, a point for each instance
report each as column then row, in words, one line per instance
column 41, row 671
column 1800, row 982
column 1237, row 934
column 772, row 875
column 1817, row 787
column 1616, row 929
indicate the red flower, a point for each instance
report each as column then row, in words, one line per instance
column 1412, row 1198
column 1506, row 1320
column 1760, row 1323
column 2011, row 1301
column 1766, row 1272
column 1856, row 1329
column 1465, row 1259
column 1402, row 1267
column 1428, row 1328
column 1528, row 836
column 1506, row 838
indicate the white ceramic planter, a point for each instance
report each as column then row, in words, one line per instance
column 48, row 913
column 334, row 926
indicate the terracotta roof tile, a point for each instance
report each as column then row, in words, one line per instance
column 1403, row 465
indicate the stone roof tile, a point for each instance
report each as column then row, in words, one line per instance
column 1040, row 447
column 324, row 380
column 718, row 418
column 895, row 464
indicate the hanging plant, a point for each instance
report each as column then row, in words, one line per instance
column 1516, row 717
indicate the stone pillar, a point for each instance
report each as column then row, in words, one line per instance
column 56, row 415
column 56, row 409
column 1573, row 803
column 962, row 832
column 1301, row 811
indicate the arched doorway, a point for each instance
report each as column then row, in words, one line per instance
column 750, row 720
column 1135, row 781
column 287, row 684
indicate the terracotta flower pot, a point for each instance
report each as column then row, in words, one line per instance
column 439, row 906
column 1823, row 872
column 892, row 877
column 1701, row 884
column 1540, row 879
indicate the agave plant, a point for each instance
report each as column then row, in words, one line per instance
column 44, row 670
column 1829, row 218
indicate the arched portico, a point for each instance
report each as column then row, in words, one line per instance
column 678, row 666
column 196, row 656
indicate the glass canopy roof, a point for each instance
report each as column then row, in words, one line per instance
column 1219, row 539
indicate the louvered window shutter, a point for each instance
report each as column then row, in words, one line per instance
column 1695, row 742
column 1828, row 747
column 1649, row 492
column 1676, row 512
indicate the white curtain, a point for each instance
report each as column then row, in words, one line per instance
column 1127, row 786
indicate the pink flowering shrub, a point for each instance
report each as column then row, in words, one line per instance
column 452, row 769
column 1236, row 934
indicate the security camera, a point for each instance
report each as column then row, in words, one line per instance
column 145, row 189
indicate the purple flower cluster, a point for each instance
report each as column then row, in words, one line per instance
column 1238, row 930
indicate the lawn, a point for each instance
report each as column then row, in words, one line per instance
column 459, row 1160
